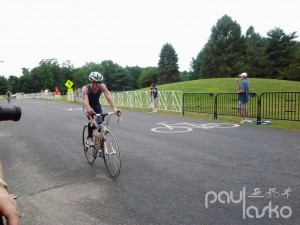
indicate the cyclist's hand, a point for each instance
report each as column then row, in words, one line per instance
column 90, row 113
column 117, row 112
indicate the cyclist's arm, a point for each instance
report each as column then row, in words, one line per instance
column 85, row 99
column 242, row 88
column 108, row 97
column 241, row 91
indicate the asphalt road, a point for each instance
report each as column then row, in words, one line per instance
column 202, row 176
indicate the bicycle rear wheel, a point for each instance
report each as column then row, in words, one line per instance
column 90, row 152
column 111, row 155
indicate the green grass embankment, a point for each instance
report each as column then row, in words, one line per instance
column 221, row 85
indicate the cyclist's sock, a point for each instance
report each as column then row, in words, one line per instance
column 90, row 131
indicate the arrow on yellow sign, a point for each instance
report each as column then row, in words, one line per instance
column 69, row 84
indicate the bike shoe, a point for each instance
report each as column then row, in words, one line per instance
column 101, row 154
column 90, row 142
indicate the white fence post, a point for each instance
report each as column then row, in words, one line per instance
column 167, row 100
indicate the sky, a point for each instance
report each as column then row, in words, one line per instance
column 128, row 32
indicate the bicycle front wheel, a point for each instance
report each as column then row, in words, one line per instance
column 90, row 152
column 111, row 155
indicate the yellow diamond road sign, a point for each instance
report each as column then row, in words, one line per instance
column 69, row 84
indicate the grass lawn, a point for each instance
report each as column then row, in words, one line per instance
column 224, row 85
column 219, row 85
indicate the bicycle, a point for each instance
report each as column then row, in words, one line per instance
column 105, row 145
column 272, row 191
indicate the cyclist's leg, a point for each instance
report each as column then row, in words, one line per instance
column 90, row 128
column 89, row 150
column 155, row 100
column 98, row 110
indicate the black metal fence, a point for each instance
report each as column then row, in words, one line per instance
column 198, row 102
column 269, row 105
column 280, row 105
column 227, row 104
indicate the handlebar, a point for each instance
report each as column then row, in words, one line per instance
column 109, row 114
column 11, row 113
column 103, row 115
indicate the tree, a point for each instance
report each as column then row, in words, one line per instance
column 3, row 85
column 13, row 84
column 134, row 73
column 26, row 81
column 197, row 65
column 293, row 71
column 80, row 76
column 168, row 65
column 281, row 51
column 185, row 75
column 223, row 55
column 65, row 73
column 256, row 60
column 148, row 76
column 45, row 74
column 116, row 77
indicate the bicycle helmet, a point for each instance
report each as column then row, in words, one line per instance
column 95, row 76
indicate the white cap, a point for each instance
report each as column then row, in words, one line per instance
column 243, row 75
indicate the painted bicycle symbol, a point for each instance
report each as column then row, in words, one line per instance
column 273, row 191
column 186, row 127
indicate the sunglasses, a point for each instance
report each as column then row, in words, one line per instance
column 96, row 82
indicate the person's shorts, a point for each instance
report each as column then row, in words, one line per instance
column 243, row 105
column 97, row 110
column 154, row 99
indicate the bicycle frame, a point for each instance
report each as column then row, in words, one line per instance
column 105, row 144
column 98, row 136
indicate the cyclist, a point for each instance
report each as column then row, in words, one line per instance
column 8, row 96
column 91, row 101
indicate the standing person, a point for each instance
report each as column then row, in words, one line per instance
column 46, row 92
column 56, row 93
column 79, row 93
column 153, row 98
column 8, row 206
column 244, row 96
column 76, row 94
column 91, row 101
